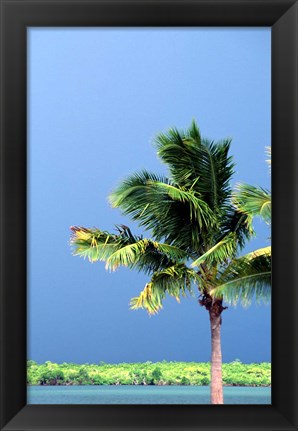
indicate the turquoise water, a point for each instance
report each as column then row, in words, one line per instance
column 143, row 395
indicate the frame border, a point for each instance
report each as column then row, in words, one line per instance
column 16, row 16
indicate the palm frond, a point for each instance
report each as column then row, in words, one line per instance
column 148, row 299
column 220, row 253
column 175, row 281
column 93, row 243
column 254, row 201
column 237, row 222
column 199, row 211
column 265, row 251
column 245, row 279
column 131, row 255
column 124, row 249
column 194, row 160
column 163, row 207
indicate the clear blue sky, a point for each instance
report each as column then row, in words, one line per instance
column 96, row 99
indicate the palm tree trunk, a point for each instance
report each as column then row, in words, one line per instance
column 216, row 390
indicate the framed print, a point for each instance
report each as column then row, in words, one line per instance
column 87, row 87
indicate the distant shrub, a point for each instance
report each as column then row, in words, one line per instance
column 156, row 375
column 185, row 381
column 98, row 380
column 205, row 381
column 51, row 377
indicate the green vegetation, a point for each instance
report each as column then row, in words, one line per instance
column 146, row 373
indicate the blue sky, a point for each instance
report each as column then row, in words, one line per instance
column 96, row 99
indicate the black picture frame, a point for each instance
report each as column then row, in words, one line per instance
column 16, row 16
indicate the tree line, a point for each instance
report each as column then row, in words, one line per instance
column 148, row 373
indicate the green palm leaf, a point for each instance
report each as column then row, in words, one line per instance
column 124, row 249
column 166, row 209
column 237, row 222
column 245, row 279
column 131, row 255
column 221, row 252
column 254, row 201
column 149, row 200
column 193, row 160
column 94, row 244
column 175, row 281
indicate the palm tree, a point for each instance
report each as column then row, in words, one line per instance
column 196, row 232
